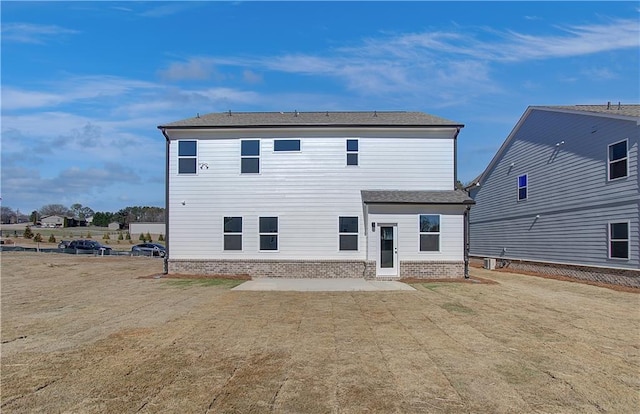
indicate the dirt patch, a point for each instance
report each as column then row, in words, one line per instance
column 196, row 276
column 471, row 280
column 618, row 288
column 85, row 334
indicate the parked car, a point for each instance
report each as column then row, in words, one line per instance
column 64, row 244
column 152, row 249
column 88, row 245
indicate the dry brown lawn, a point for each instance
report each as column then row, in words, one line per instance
column 88, row 334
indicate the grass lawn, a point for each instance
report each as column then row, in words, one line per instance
column 102, row 335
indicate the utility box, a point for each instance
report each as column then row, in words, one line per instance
column 489, row 263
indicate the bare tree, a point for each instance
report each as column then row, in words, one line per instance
column 54, row 210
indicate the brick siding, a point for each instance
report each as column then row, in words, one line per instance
column 312, row 269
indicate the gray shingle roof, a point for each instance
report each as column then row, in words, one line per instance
column 312, row 119
column 632, row 110
column 415, row 197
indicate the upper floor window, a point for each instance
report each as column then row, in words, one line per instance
column 429, row 232
column 233, row 233
column 619, row 240
column 268, row 227
column 348, row 230
column 250, row 156
column 187, row 157
column 352, row 152
column 523, row 187
column 618, row 155
column 286, row 145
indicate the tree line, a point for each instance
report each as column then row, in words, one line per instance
column 123, row 216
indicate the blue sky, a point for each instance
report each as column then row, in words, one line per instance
column 85, row 84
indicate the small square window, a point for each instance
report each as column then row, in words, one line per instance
column 250, row 165
column 250, row 147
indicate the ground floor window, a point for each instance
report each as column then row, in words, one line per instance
column 268, row 227
column 619, row 240
column 429, row 232
column 348, row 231
column 233, row 233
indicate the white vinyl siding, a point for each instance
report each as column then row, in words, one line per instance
column 451, row 236
column 311, row 188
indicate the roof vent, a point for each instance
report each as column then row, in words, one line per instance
column 609, row 105
column 327, row 113
column 197, row 114
column 619, row 107
column 295, row 113
column 229, row 112
column 375, row 113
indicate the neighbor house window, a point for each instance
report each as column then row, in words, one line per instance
column 348, row 230
column 268, row 233
column 233, row 233
column 187, row 157
column 429, row 232
column 523, row 186
column 287, row 145
column 619, row 240
column 352, row 152
column 618, row 155
column 250, row 156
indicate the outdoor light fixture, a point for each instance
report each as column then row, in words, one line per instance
column 373, row 227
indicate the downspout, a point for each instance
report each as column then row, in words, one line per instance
column 466, row 242
column 455, row 159
column 166, row 202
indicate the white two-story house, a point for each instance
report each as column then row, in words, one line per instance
column 315, row 194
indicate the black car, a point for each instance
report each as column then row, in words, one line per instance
column 150, row 249
column 88, row 245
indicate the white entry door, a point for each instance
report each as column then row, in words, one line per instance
column 387, row 263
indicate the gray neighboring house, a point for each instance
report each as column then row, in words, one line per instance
column 561, row 195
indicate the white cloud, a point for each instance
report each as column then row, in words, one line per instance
column 72, row 89
column 32, row 33
column 193, row 69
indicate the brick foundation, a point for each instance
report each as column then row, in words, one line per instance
column 313, row 269
column 622, row 277
column 431, row 270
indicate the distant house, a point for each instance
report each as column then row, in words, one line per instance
column 114, row 225
column 62, row 221
column 53, row 221
column 562, row 194
column 315, row 194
